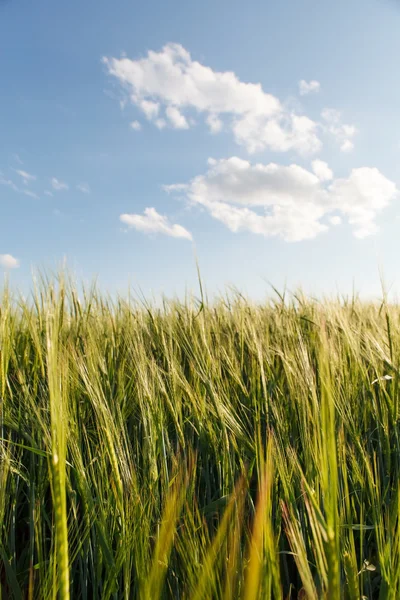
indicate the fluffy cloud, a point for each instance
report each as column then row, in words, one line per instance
column 170, row 81
column 309, row 87
column 136, row 126
column 177, row 120
column 343, row 133
column 150, row 109
column 321, row 170
column 347, row 146
column 58, row 185
column 291, row 132
column 152, row 222
column 26, row 177
column 288, row 201
column 83, row 187
column 7, row 261
column 360, row 197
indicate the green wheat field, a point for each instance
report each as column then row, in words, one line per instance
column 198, row 450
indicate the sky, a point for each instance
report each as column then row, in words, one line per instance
column 260, row 139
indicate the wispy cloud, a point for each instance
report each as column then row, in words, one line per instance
column 214, row 123
column 8, row 182
column 136, row 126
column 152, row 222
column 17, row 159
column 83, row 187
column 160, row 123
column 48, row 193
column 309, row 87
column 26, row 177
column 58, row 185
column 7, row 261
column 30, row 194
column 342, row 133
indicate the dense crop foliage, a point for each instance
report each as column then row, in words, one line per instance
column 198, row 451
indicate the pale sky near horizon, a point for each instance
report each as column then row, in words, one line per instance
column 262, row 138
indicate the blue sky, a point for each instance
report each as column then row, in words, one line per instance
column 302, row 185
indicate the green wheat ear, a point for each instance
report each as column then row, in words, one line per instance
column 56, row 368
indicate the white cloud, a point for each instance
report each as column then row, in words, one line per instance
column 7, row 261
column 136, row 126
column 58, row 185
column 8, row 183
column 48, row 193
column 153, row 222
column 342, row 133
column 347, row 146
column 321, row 170
column 150, row 109
column 287, row 201
column 17, row 158
column 26, row 177
column 170, row 80
column 160, row 123
column 83, row 187
column 214, row 123
column 177, row 120
column 335, row 220
column 309, row 87
column 363, row 195
column 290, row 132
column 331, row 115
column 30, row 194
